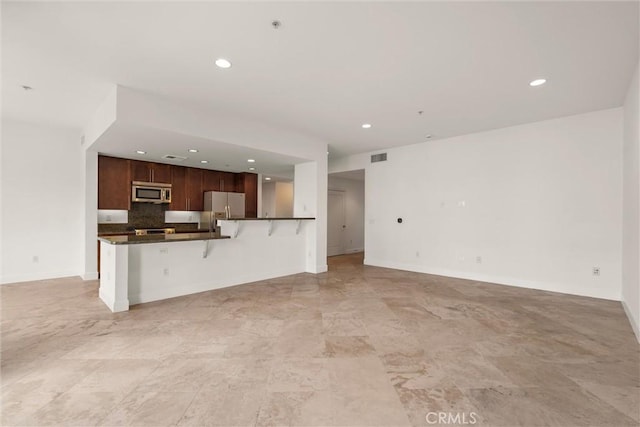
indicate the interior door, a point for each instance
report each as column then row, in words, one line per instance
column 336, row 223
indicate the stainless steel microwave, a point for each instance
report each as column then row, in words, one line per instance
column 150, row 192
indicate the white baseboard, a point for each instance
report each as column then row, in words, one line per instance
column 32, row 277
column 319, row 268
column 90, row 276
column 632, row 320
column 499, row 280
column 114, row 306
column 354, row 250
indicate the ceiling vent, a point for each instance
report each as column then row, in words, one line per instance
column 174, row 157
column 382, row 157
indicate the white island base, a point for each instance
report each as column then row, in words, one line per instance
column 134, row 273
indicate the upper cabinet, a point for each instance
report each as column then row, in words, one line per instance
column 186, row 187
column 187, row 184
column 211, row 180
column 178, row 188
column 195, row 195
column 220, row 181
column 249, row 182
column 150, row 172
column 114, row 185
column 228, row 181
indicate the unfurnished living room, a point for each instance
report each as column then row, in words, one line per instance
column 320, row 213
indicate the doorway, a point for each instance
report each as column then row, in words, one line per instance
column 345, row 212
column 336, row 222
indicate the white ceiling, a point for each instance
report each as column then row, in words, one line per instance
column 330, row 67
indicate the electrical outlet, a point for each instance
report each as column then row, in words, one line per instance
column 418, row 254
column 165, row 271
column 596, row 271
column 164, row 250
column 478, row 260
column 108, row 218
column 36, row 258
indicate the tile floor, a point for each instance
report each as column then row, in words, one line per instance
column 357, row 346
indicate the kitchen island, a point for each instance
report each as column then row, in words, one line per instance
column 139, row 269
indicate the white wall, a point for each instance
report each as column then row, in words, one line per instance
column 354, row 211
column 631, row 210
column 310, row 200
column 268, row 199
column 90, row 203
column 42, row 202
column 277, row 199
column 284, row 199
column 539, row 203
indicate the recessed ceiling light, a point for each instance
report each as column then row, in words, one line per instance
column 428, row 136
column 204, row 161
column 537, row 82
column 267, row 179
column 141, row 152
column 252, row 169
column 193, row 150
column 366, row 126
column 223, row 63
column 251, row 160
column 27, row 88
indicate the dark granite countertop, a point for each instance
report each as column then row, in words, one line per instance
column 128, row 239
column 279, row 218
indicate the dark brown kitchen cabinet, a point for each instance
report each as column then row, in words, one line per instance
column 239, row 182
column 186, row 185
column 150, row 172
column 228, row 181
column 178, row 189
column 195, row 197
column 114, row 185
column 219, row 181
column 211, row 180
column 250, row 190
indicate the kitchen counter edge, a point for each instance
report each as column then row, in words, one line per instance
column 128, row 239
column 284, row 218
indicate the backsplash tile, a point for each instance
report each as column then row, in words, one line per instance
column 147, row 215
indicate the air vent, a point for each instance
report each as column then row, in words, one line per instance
column 382, row 157
column 174, row 157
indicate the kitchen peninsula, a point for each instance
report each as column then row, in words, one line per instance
column 139, row 269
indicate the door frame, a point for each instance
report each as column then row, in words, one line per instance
column 342, row 248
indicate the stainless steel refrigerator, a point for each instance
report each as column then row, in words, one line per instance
column 221, row 205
